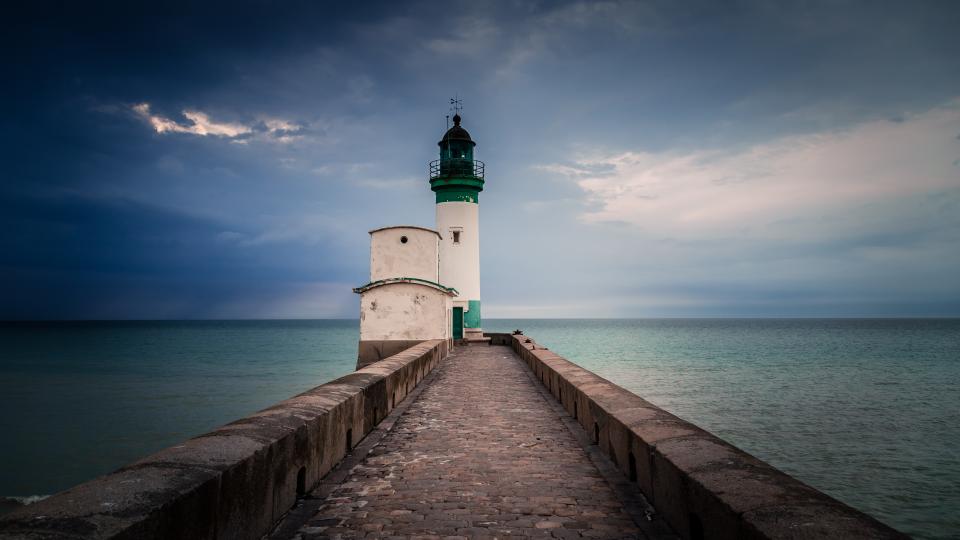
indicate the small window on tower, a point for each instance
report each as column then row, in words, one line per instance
column 456, row 237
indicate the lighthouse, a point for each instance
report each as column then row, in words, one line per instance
column 425, row 283
column 457, row 180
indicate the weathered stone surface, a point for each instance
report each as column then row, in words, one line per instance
column 371, row 351
column 478, row 455
column 825, row 519
column 702, row 485
column 238, row 480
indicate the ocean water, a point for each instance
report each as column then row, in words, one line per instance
column 867, row 411
column 81, row 399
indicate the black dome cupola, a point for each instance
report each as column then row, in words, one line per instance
column 456, row 176
column 456, row 142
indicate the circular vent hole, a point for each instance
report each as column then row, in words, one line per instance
column 403, row 239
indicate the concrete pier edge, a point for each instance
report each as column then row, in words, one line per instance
column 306, row 507
column 628, row 493
column 703, row 486
column 239, row 480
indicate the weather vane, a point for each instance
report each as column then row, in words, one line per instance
column 456, row 104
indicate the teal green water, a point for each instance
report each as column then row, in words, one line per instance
column 78, row 400
column 865, row 410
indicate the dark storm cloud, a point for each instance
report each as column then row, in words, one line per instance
column 71, row 255
column 184, row 159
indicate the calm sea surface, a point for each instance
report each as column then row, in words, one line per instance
column 866, row 410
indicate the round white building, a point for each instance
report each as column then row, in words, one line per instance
column 404, row 303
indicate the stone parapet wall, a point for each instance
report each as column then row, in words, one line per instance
column 703, row 486
column 499, row 338
column 372, row 351
column 240, row 479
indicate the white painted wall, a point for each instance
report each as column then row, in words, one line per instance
column 391, row 258
column 405, row 311
column 460, row 263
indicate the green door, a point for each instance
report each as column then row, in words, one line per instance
column 458, row 323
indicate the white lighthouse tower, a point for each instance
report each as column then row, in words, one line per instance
column 457, row 180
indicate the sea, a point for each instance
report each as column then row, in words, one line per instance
column 866, row 410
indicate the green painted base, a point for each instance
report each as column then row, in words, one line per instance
column 471, row 319
column 457, row 195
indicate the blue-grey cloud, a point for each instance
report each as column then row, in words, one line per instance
column 226, row 159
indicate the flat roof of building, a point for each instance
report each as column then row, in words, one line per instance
column 406, row 227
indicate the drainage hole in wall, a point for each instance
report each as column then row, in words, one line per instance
column 301, row 482
column 596, row 434
column 403, row 239
column 696, row 527
column 349, row 440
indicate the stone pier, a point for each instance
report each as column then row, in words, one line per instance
column 508, row 440
column 481, row 452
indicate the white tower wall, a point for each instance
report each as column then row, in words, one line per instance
column 460, row 253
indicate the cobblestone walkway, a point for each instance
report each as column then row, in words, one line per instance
column 479, row 454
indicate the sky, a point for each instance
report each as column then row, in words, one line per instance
column 192, row 160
